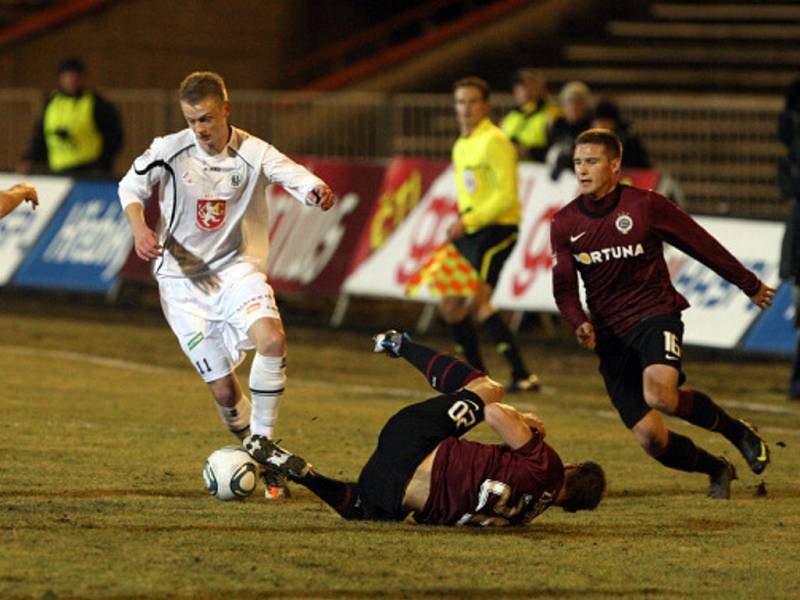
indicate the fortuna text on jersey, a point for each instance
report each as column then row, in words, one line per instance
column 606, row 254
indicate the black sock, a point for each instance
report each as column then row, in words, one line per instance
column 342, row 496
column 682, row 454
column 466, row 337
column 506, row 345
column 443, row 372
column 698, row 409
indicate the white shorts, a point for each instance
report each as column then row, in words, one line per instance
column 211, row 321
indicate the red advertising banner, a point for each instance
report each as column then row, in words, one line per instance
column 405, row 181
column 311, row 250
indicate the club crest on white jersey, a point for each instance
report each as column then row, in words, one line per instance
column 624, row 223
column 210, row 214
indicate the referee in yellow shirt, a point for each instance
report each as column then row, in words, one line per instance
column 485, row 164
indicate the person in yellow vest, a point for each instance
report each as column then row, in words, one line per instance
column 13, row 197
column 485, row 165
column 527, row 125
column 79, row 132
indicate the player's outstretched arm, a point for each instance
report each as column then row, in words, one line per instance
column 22, row 192
column 763, row 297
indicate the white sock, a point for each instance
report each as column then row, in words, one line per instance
column 237, row 418
column 267, row 379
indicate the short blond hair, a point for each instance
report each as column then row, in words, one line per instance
column 200, row 85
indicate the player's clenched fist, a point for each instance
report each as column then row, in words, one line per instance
column 585, row 335
column 146, row 244
column 321, row 196
column 763, row 297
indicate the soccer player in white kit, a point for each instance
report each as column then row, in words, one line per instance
column 209, row 250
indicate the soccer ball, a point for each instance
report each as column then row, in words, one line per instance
column 230, row 473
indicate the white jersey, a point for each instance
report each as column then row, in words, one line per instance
column 213, row 208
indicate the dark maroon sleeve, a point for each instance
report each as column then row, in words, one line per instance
column 565, row 278
column 677, row 228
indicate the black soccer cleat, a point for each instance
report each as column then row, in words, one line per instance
column 720, row 485
column 275, row 486
column 753, row 448
column 266, row 452
column 389, row 342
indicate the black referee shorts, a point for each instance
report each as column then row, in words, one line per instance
column 654, row 341
column 404, row 442
column 488, row 249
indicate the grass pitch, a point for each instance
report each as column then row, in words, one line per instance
column 106, row 428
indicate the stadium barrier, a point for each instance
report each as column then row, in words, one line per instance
column 389, row 220
column 722, row 149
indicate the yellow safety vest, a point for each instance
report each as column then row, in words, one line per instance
column 70, row 132
column 527, row 127
column 485, row 163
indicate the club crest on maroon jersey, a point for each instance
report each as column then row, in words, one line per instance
column 624, row 223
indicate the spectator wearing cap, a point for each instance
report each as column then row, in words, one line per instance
column 79, row 132
column 634, row 154
column 576, row 104
column 528, row 124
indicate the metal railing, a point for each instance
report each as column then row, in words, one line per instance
column 723, row 150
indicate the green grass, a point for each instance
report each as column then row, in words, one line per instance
column 101, row 492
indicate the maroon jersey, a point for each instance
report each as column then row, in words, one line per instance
column 480, row 484
column 616, row 245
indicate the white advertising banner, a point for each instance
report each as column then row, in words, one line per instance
column 720, row 313
column 526, row 275
column 21, row 228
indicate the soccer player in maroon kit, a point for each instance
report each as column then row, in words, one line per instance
column 612, row 235
column 422, row 467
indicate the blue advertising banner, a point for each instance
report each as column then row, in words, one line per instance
column 84, row 246
column 774, row 330
column 20, row 229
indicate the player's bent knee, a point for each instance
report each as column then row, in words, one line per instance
column 651, row 441
column 271, row 342
column 225, row 391
column 661, row 398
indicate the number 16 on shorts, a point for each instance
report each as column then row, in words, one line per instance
column 672, row 346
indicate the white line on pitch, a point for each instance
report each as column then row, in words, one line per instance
column 115, row 363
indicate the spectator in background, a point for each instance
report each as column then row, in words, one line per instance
column 527, row 125
column 79, row 132
column 10, row 199
column 789, row 183
column 607, row 116
column 576, row 103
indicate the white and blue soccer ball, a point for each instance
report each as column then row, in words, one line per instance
column 230, row 473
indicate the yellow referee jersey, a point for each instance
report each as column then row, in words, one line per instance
column 485, row 163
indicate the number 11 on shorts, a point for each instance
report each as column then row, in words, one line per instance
column 202, row 366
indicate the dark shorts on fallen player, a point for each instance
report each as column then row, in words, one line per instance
column 654, row 341
column 487, row 250
column 404, row 442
